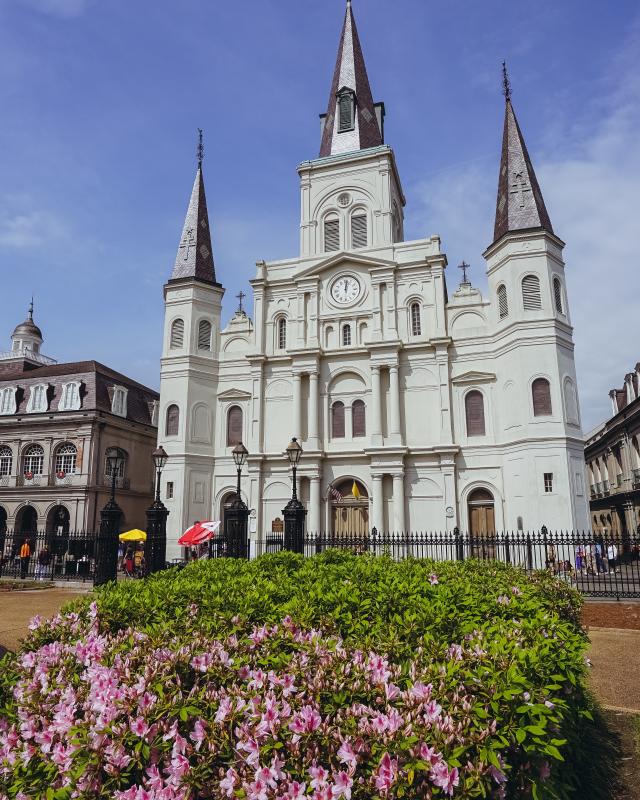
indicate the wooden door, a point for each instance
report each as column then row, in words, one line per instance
column 483, row 527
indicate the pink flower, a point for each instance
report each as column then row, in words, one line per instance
column 430, row 754
column 256, row 790
column 224, row 709
column 306, row 720
column 386, row 774
column 342, row 783
column 432, row 711
column 319, row 776
column 139, row 727
column 446, row 779
column 420, row 691
column 250, row 746
column 545, row 771
column 295, row 790
column 198, row 734
column 228, row 783
column 347, row 756
column 433, row 580
column 178, row 768
column 497, row 775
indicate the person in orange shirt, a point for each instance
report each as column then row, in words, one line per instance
column 25, row 557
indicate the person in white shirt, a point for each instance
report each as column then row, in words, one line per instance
column 612, row 555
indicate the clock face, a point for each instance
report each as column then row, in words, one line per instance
column 345, row 289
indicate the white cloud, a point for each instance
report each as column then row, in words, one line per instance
column 60, row 8
column 591, row 188
column 31, row 230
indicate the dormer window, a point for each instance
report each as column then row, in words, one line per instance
column 346, row 110
column 8, row 400
column 119, row 401
column 37, row 399
column 70, row 400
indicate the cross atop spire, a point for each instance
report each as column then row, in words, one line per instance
column 520, row 205
column 200, row 149
column 31, row 309
column 353, row 121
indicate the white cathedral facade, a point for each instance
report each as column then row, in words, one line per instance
column 446, row 410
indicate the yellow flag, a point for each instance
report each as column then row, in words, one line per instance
column 355, row 491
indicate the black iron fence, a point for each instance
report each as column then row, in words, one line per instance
column 47, row 556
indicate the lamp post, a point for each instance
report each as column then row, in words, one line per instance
column 157, row 515
column 236, row 517
column 106, row 566
column 294, row 512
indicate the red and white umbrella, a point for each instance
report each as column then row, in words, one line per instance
column 199, row 532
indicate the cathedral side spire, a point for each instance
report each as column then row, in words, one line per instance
column 520, row 205
column 195, row 254
column 353, row 121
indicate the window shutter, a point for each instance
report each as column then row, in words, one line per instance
column 331, row 235
column 557, row 294
column 359, row 230
column 541, row 391
column 346, row 335
column 358, row 418
column 474, row 407
column 337, row 420
column 177, row 334
column 531, row 293
column 346, row 112
column 204, row 335
column 173, row 420
column 503, row 302
column 234, row 426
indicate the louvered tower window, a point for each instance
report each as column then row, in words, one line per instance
column 346, row 108
column 416, row 323
column 337, row 420
column 503, row 302
column 282, row 334
column 204, row 335
column 234, row 426
column 474, row 410
column 531, row 298
column 358, row 418
column 331, row 234
column 346, row 335
column 173, row 420
column 541, row 392
column 557, row 295
column 176, row 340
column 358, row 231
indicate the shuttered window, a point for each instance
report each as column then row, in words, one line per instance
column 234, row 426
column 173, row 420
column 337, row 420
column 282, row 334
column 358, row 230
column 204, row 335
column 503, row 302
column 177, row 334
column 541, row 391
column 331, row 235
column 346, row 335
column 557, row 295
column 345, row 108
column 531, row 299
column 416, row 324
column 358, row 418
column 474, row 409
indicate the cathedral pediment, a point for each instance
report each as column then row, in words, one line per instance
column 347, row 258
column 234, row 394
column 474, row 377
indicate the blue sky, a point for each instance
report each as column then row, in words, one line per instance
column 100, row 101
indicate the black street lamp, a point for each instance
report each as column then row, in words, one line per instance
column 106, row 566
column 236, row 518
column 294, row 512
column 157, row 515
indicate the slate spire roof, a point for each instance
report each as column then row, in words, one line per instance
column 195, row 254
column 351, row 74
column 520, row 205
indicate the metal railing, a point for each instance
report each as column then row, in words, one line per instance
column 47, row 556
column 636, row 478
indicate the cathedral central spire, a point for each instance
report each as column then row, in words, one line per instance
column 353, row 121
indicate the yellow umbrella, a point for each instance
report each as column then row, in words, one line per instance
column 133, row 536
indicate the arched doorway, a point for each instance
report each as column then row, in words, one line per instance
column 482, row 523
column 58, row 520
column 3, row 520
column 27, row 520
column 349, row 509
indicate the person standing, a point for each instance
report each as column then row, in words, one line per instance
column 25, row 558
column 44, row 560
column 612, row 556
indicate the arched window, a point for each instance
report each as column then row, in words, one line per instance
column 177, row 334
column 416, row 322
column 331, row 234
column 234, row 426
column 282, row 334
column 346, row 335
column 557, row 295
column 358, row 418
column 6, row 459
column 337, row 420
column 474, row 411
column 503, row 302
column 541, row 392
column 33, row 460
column 66, row 459
column 531, row 298
column 204, row 335
column 358, row 230
column 122, row 465
column 173, row 420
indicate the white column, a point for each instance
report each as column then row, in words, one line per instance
column 394, row 391
column 376, row 407
column 297, row 406
column 378, row 499
column 313, row 410
column 313, row 517
column 398, row 503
